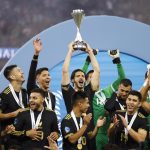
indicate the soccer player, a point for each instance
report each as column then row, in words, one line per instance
column 40, row 76
column 118, row 100
column 13, row 99
column 78, row 81
column 76, row 128
column 35, row 124
column 129, row 127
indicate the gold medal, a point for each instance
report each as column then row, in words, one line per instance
column 84, row 140
column 79, row 146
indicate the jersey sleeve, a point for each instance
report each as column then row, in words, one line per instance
column 3, row 102
column 19, row 126
column 31, row 82
column 67, row 98
column 121, row 75
column 144, row 124
column 114, row 86
column 19, row 121
column 55, row 123
column 66, row 128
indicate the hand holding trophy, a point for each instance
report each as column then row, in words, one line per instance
column 79, row 44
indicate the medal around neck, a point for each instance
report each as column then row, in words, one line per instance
column 79, row 146
column 79, row 44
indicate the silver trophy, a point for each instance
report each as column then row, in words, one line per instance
column 79, row 44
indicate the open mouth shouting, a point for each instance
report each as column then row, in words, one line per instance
column 32, row 105
column 47, row 82
column 81, row 83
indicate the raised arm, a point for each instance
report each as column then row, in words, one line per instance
column 65, row 68
column 88, row 61
column 96, row 75
column 121, row 74
column 31, row 83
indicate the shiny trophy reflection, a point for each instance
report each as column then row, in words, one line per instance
column 79, row 44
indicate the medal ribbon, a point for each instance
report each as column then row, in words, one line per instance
column 121, row 106
column 76, row 123
column 48, row 103
column 131, row 122
column 18, row 100
column 35, row 124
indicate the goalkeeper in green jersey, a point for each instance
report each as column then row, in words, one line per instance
column 101, row 96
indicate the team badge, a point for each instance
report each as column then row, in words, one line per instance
column 67, row 129
column 15, row 121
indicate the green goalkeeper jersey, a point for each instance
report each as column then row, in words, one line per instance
column 100, row 97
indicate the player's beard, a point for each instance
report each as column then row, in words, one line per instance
column 34, row 106
column 80, row 86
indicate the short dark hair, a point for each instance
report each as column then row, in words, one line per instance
column 87, row 74
column 40, row 70
column 79, row 95
column 38, row 90
column 136, row 93
column 74, row 72
column 8, row 70
column 126, row 82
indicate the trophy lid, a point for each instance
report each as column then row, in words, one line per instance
column 78, row 15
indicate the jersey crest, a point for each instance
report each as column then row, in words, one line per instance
column 100, row 98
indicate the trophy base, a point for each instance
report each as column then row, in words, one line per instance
column 79, row 45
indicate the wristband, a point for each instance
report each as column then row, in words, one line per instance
column 35, row 57
column 116, row 60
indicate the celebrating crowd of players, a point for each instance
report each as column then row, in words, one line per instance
column 116, row 117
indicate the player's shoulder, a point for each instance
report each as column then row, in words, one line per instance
column 48, row 110
column 24, row 90
column 67, row 117
column 6, row 91
column 66, row 120
column 140, row 115
column 24, row 113
column 25, row 110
